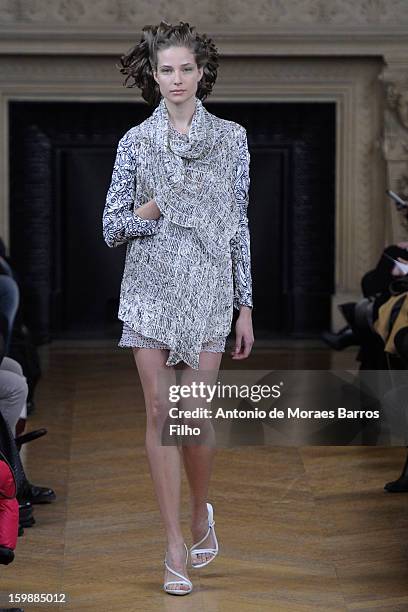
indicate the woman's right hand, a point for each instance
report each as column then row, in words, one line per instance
column 149, row 210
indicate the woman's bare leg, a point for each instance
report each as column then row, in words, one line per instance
column 164, row 461
column 198, row 462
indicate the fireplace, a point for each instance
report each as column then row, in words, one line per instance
column 62, row 155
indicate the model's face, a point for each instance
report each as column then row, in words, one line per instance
column 177, row 74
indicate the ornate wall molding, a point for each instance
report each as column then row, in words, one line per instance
column 230, row 12
column 394, row 140
column 267, row 27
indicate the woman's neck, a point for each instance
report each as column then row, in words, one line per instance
column 181, row 115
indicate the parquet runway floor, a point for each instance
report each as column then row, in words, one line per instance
column 301, row 529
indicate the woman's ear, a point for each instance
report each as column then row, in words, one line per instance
column 154, row 71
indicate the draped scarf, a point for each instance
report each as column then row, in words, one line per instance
column 191, row 174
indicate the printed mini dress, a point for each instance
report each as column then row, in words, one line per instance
column 122, row 224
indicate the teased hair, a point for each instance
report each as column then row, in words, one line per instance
column 138, row 64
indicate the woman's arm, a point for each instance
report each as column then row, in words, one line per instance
column 119, row 222
column 240, row 243
column 241, row 257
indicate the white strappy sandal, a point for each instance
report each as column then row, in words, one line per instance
column 194, row 551
column 183, row 579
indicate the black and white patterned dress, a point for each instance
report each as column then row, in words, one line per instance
column 121, row 224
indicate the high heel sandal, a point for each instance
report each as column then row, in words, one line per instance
column 197, row 551
column 184, row 579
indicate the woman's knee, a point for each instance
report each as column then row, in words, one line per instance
column 157, row 409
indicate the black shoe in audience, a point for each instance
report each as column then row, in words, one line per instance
column 6, row 555
column 341, row 340
column 40, row 495
column 25, row 510
column 397, row 486
column 35, row 494
column 401, row 484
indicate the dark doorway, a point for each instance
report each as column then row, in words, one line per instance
column 61, row 162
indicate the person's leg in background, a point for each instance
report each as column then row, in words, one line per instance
column 11, row 365
column 13, row 392
column 9, row 300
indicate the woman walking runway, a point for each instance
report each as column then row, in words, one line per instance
column 178, row 197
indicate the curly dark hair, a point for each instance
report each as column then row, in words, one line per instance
column 140, row 62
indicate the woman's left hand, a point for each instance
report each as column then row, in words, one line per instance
column 244, row 335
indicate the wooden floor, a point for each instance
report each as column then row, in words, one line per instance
column 300, row 529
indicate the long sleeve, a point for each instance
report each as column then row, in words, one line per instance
column 240, row 243
column 119, row 222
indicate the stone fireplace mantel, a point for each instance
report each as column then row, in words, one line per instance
column 354, row 54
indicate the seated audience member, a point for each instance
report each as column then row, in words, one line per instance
column 392, row 325
column 13, row 384
column 375, row 287
column 361, row 315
